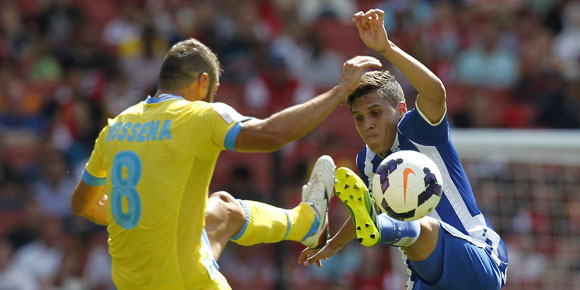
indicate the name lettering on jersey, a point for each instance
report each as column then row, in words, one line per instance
column 140, row 132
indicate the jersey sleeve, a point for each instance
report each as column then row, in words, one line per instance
column 95, row 173
column 419, row 129
column 227, row 126
column 360, row 165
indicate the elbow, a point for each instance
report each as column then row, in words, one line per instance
column 76, row 210
column 439, row 91
column 76, row 205
column 274, row 142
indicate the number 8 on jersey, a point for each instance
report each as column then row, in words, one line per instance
column 125, row 176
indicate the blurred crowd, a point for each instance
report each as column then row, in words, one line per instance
column 68, row 65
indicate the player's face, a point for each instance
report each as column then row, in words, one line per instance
column 376, row 121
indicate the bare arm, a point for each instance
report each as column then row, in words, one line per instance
column 90, row 202
column 340, row 239
column 431, row 98
column 292, row 123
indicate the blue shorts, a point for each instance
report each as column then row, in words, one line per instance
column 465, row 266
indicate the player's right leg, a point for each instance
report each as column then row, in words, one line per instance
column 250, row 222
column 370, row 228
column 306, row 223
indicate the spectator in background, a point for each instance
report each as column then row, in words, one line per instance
column 275, row 88
column 13, row 193
column 322, row 66
column 560, row 107
column 12, row 277
column 53, row 190
column 121, row 32
column 311, row 10
column 488, row 64
column 28, row 227
column 567, row 42
column 241, row 184
column 42, row 258
column 69, row 276
column 97, row 267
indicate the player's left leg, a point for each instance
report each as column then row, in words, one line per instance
column 456, row 263
column 370, row 228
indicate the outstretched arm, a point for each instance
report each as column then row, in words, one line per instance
column 342, row 237
column 292, row 123
column 431, row 98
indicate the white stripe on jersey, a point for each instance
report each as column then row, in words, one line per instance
column 369, row 166
column 450, row 190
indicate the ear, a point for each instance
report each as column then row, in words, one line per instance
column 201, row 87
column 203, row 81
column 402, row 109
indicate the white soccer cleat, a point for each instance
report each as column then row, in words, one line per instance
column 317, row 193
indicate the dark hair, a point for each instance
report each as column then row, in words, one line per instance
column 381, row 81
column 185, row 62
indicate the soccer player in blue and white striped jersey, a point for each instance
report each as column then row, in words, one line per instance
column 454, row 247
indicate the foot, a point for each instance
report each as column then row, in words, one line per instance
column 355, row 195
column 317, row 193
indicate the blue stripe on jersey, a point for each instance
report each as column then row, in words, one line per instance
column 93, row 180
column 360, row 164
column 458, row 176
column 447, row 213
column 231, row 136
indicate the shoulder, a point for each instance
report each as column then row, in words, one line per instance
column 227, row 113
column 416, row 127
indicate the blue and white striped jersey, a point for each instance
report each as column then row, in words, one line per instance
column 457, row 206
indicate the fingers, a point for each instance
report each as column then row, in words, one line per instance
column 364, row 62
column 305, row 254
column 309, row 256
column 366, row 19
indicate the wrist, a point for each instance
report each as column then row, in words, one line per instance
column 342, row 90
column 386, row 49
column 336, row 243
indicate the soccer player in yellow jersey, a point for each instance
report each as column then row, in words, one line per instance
column 148, row 176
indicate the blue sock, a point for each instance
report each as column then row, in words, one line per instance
column 430, row 269
column 397, row 233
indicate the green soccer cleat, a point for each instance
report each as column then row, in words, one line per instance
column 355, row 195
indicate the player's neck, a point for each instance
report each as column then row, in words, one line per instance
column 159, row 93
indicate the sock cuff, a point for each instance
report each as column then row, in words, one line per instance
column 409, row 235
column 289, row 226
column 398, row 233
column 315, row 222
column 246, row 222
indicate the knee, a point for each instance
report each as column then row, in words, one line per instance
column 429, row 224
column 224, row 208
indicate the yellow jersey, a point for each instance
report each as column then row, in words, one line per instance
column 156, row 159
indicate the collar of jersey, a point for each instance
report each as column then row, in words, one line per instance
column 162, row 98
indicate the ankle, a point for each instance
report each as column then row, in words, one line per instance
column 398, row 233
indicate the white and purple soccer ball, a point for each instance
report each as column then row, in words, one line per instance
column 407, row 185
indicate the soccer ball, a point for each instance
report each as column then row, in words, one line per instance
column 407, row 185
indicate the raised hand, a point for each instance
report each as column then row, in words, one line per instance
column 353, row 69
column 371, row 29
